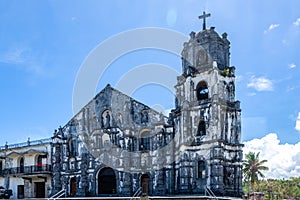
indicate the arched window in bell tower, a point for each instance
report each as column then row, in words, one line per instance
column 201, row 128
column 202, row 91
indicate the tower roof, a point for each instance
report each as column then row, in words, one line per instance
column 205, row 47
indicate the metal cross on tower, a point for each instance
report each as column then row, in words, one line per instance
column 204, row 16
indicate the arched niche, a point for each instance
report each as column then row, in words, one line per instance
column 106, row 119
column 201, row 131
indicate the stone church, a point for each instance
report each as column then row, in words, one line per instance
column 117, row 146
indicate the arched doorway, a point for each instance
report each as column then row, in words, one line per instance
column 73, row 186
column 107, row 181
column 145, row 184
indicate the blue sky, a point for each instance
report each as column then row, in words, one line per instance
column 43, row 44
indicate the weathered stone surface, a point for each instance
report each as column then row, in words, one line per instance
column 203, row 132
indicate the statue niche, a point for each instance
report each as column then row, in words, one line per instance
column 144, row 117
column 106, row 119
column 72, row 145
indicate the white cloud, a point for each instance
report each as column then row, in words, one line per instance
column 167, row 112
column 239, row 78
column 171, row 17
column 292, row 65
column 260, row 84
column 15, row 56
column 251, row 94
column 271, row 27
column 297, row 127
column 23, row 59
column 290, row 88
column 161, row 109
column 297, row 22
column 283, row 159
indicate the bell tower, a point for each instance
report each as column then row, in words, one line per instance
column 207, row 117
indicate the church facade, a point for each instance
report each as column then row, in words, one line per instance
column 117, row 146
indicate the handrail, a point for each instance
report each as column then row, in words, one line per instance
column 137, row 193
column 28, row 169
column 209, row 192
column 58, row 194
column 28, row 143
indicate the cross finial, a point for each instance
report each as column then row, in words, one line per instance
column 204, row 16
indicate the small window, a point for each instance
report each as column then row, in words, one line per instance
column 72, row 163
column 72, row 145
column 145, row 141
column 1, row 166
column 201, row 128
column 41, row 162
column 21, row 165
column 202, row 91
column 201, row 169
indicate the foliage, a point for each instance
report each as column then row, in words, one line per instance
column 253, row 167
column 278, row 188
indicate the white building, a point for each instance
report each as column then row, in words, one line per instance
column 25, row 168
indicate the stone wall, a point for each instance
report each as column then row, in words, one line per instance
column 197, row 146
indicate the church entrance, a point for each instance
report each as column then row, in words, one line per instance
column 107, row 181
column 73, row 186
column 145, row 184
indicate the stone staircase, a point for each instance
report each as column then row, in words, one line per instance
column 186, row 197
column 138, row 195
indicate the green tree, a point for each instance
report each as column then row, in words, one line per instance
column 253, row 167
column 280, row 188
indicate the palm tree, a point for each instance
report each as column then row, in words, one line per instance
column 253, row 168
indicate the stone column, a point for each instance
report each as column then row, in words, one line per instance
column 84, row 181
column 57, row 185
column 160, row 183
